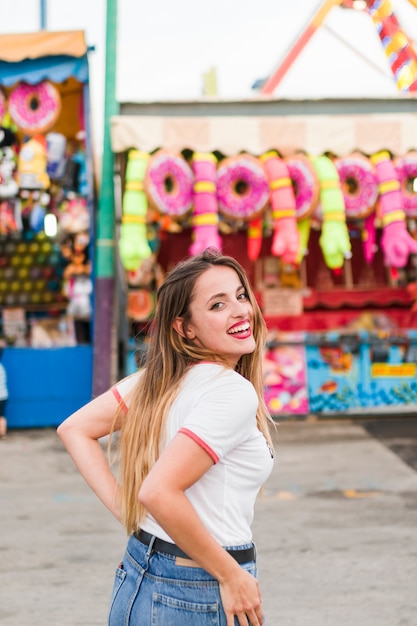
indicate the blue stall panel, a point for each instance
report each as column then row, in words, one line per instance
column 391, row 366
column 362, row 371
column 46, row 385
column 335, row 372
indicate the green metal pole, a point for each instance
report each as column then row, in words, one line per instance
column 105, row 245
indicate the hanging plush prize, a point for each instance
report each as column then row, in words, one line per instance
column 34, row 108
column 334, row 239
column 396, row 241
column 133, row 244
column 286, row 239
column 205, row 218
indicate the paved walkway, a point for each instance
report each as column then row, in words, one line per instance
column 336, row 530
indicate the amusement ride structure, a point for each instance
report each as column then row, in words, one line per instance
column 398, row 46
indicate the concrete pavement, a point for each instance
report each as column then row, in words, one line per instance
column 336, row 531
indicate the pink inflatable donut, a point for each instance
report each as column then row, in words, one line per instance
column 359, row 185
column 242, row 187
column 406, row 167
column 305, row 184
column 34, row 108
column 169, row 183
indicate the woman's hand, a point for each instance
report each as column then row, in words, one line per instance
column 241, row 598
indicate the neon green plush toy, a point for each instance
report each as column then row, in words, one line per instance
column 334, row 239
column 304, row 227
column 133, row 243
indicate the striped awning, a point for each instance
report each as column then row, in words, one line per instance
column 20, row 46
column 33, row 57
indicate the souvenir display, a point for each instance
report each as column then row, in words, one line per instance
column 264, row 196
column 288, row 208
column 47, row 209
column 42, row 176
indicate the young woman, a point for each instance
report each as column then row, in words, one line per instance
column 194, row 451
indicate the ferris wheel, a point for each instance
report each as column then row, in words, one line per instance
column 398, row 46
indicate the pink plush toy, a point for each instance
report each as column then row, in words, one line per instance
column 406, row 167
column 369, row 238
column 286, row 239
column 305, row 184
column 396, row 241
column 397, row 244
column 205, row 215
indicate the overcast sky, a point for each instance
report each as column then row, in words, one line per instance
column 165, row 47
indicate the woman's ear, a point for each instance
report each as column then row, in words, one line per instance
column 178, row 327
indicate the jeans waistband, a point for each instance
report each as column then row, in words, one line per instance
column 242, row 556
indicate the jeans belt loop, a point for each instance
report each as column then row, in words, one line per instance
column 150, row 546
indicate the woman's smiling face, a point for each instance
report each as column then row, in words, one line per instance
column 221, row 315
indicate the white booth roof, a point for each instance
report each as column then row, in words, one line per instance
column 314, row 134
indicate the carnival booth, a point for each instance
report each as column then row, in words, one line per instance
column 46, row 225
column 321, row 210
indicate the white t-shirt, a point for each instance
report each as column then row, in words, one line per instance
column 216, row 407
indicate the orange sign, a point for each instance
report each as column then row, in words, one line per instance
column 391, row 370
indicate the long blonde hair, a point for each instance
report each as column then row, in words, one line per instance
column 168, row 359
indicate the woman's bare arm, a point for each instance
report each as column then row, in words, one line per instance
column 80, row 434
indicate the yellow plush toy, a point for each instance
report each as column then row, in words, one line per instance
column 31, row 165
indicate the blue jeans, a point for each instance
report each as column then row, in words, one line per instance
column 151, row 590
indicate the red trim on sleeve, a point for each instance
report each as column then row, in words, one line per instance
column 201, row 443
column 119, row 399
